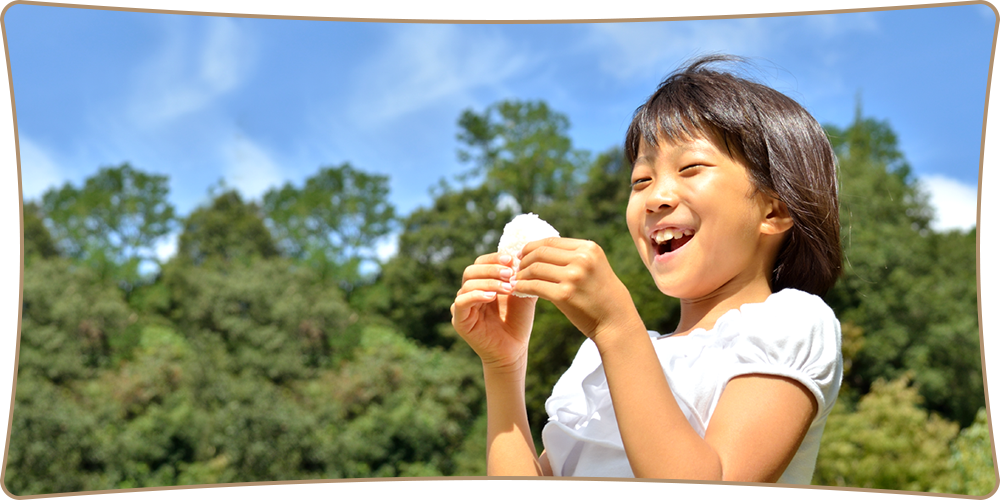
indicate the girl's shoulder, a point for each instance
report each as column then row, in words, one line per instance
column 787, row 323
column 793, row 334
column 788, row 313
column 797, row 299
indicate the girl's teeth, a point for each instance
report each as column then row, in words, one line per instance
column 665, row 235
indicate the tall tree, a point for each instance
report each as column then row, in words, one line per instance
column 228, row 229
column 38, row 242
column 334, row 221
column 909, row 291
column 113, row 221
column 889, row 442
column 521, row 148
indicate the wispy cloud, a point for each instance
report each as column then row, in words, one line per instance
column 39, row 171
column 954, row 203
column 249, row 167
column 424, row 63
column 201, row 60
column 646, row 49
column 831, row 25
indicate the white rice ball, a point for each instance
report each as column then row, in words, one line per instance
column 520, row 231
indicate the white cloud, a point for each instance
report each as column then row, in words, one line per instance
column 650, row 49
column 225, row 59
column 39, row 171
column 954, row 203
column 191, row 70
column 249, row 168
column 830, row 25
column 424, row 63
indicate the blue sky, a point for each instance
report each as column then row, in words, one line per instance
column 260, row 102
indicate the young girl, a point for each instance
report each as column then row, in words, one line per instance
column 734, row 211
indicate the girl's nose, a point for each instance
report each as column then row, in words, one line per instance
column 662, row 195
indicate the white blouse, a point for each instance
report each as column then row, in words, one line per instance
column 791, row 334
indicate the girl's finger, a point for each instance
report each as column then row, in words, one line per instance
column 471, row 298
column 554, row 242
column 547, row 290
column 474, row 297
column 543, row 271
column 484, row 285
column 494, row 258
column 487, row 271
column 461, row 309
column 550, row 254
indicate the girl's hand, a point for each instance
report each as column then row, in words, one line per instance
column 575, row 276
column 496, row 325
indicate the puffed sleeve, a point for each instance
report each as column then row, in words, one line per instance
column 792, row 334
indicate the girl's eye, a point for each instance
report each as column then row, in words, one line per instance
column 637, row 182
column 689, row 167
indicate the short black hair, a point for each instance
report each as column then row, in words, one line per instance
column 785, row 149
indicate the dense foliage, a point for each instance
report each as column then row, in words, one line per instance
column 263, row 351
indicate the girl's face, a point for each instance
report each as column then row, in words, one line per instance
column 696, row 221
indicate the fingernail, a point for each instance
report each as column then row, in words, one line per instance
column 506, row 286
column 506, row 273
column 505, row 259
column 489, row 295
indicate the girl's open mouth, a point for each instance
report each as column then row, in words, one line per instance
column 669, row 240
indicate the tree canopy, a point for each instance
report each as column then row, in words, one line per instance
column 333, row 221
column 113, row 221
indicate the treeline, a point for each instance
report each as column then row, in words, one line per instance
column 275, row 346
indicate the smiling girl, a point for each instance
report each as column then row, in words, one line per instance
column 733, row 210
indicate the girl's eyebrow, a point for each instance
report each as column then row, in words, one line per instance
column 642, row 159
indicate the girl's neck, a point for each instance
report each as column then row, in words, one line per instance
column 703, row 312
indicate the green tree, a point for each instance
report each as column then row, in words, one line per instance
column 272, row 320
column 909, row 290
column 113, row 221
column 403, row 410
column 72, row 322
column 38, row 243
column 75, row 326
column 333, row 221
column 520, row 148
column 227, row 230
column 54, row 438
column 971, row 461
column 889, row 442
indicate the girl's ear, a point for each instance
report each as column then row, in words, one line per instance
column 777, row 219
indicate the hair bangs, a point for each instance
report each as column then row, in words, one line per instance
column 687, row 106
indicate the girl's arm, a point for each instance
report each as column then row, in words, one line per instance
column 510, row 450
column 757, row 425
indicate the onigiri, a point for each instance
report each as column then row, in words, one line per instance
column 520, row 231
